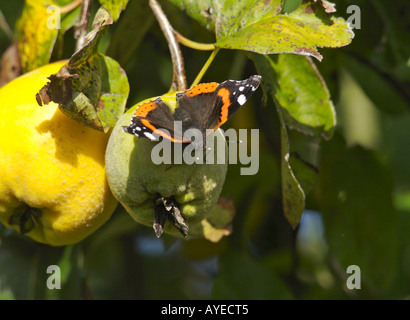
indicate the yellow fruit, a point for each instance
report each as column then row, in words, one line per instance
column 53, row 185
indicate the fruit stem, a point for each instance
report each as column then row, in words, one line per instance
column 205, row 67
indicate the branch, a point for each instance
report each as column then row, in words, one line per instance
column 81, row 28
column 179, row 80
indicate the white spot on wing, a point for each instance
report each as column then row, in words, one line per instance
column 149, row 136
column 241, row 88
column 241, row 99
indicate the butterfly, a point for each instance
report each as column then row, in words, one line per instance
column 203, row 107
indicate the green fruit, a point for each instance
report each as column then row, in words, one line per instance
column 144, row 187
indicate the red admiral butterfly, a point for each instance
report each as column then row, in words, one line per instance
column 204, row 106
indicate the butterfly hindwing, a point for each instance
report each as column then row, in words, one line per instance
column 152, row 120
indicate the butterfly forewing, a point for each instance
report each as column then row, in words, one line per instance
column 231, row 95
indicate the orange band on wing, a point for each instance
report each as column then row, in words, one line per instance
column 201, row 88
column 145, row 108
column 161, row 133
column 226, row 103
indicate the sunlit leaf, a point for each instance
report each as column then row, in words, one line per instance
column 260, row 26
column 301, row 92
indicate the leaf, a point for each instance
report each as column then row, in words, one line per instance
column 382, row 90
column 23, row 266
column 114, row 7
column 299, row 89
column 91, row 88
column 261, row 27
column 293, row 195
column 361, row 223
column 290, row 5
column 218, row 222
column 202, row 11
column 242, row 277
column 34, row 36
column 306, row 173
column 69, row 19
column 134, row 24
column 302, row 102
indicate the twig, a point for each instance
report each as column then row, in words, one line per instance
column 193, row 44
column 70, row 6
column 81, row 28
column 5, row 26
column 179, row 80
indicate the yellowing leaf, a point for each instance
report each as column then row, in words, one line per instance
column 36, row 34
column 262, row 28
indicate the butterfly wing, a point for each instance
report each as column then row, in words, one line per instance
column 231, row 95
column 151, row 120
column 211, row 104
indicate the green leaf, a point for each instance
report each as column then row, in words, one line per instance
column 261, row 27
column 114, row 7
column 69, row 19
column 34, row 36
column 299, row 89
column 217, row 223
column 290, row 5
column 306, row 173
column 382, row 90
column 302, row 94
column 293, row 195
column 303, row 103
column 202, row 11
column 361, row 223
column 23, row 267
column 91, row 88
column 134, row 24
column 242, row 277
